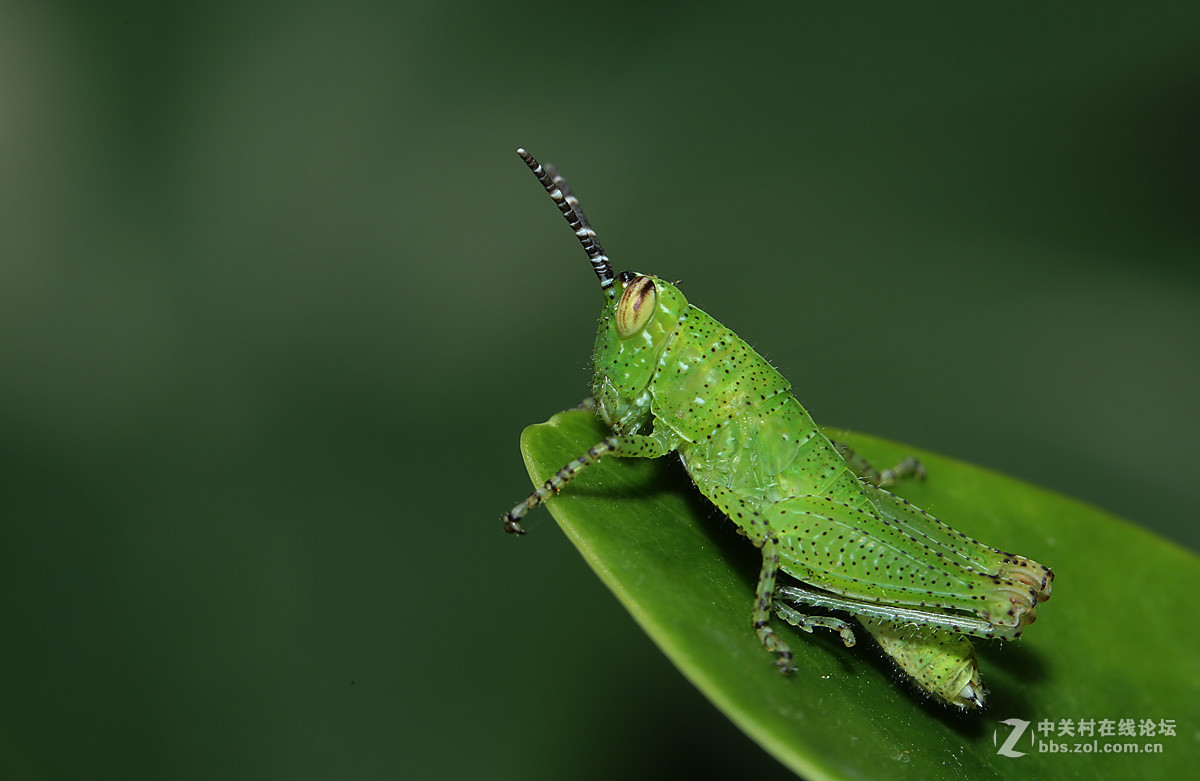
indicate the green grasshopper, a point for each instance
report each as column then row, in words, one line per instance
column 667, row 377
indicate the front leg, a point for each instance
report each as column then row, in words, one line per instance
column 623, row 445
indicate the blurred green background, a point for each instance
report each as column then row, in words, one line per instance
column 277, row 298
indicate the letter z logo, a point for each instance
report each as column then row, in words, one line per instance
column 1019, row 726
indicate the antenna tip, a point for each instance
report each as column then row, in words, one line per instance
column 529, row 159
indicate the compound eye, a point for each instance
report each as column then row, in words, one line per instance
column 636, row 306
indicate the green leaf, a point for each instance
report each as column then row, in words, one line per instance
column 1118, row 640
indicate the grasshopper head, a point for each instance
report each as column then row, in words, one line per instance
column 634, row 329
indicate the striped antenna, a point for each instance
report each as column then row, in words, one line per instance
column 569, row 206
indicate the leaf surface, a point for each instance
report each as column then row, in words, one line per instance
column 1118, row 640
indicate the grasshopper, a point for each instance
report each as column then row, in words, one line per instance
column 667, row 378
